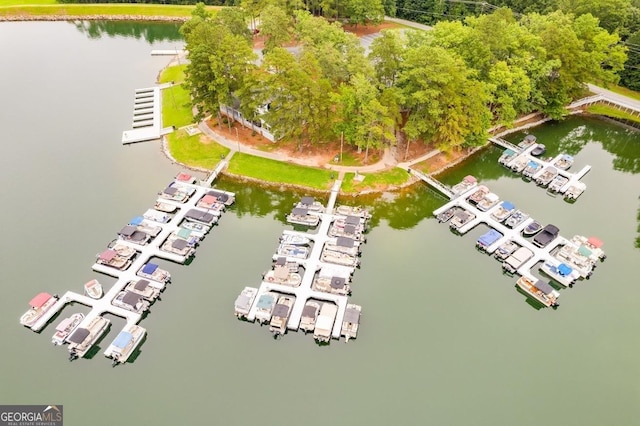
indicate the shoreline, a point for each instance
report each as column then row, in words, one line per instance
column 57, row 18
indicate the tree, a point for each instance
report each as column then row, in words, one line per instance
column 386, row 55
column 235, row 20
column 275, row 25
column 362, row 11
column 612, row 14
column 630, row 76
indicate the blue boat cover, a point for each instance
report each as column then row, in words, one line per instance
column 533, row 164
column 564, row 270
column 122, row 339
column 489, row 238
column 567, row 157
column 507, row 205
column 136, row 221
column 149, row 268
column 509, row 152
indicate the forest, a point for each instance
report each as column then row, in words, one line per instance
column 314, row 82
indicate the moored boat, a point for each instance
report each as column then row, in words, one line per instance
column 125, row 343
column 353, row 211
column 309, row 316
column 162, row 206
column 173, row 193
column 574, row 191
column 547, row 175
column 265, row 305
column 448, row 214
column 516, row 219
column 66, row 327
column 113, row 259
column 290, row 251
column 488, row 239
column 564, row 162
column 131, row 234
column 93, row 289
column 527, row 141
column 223, row 197
column 146, row 226
column 201, row 216
column 531, row 169
column 210, row 202
column 324, row 323
column 539, row 290
column 506, row 156
column 339, row 258
column 180, row 246
column 195, row 227
column 38, row 306
column 546, row 235
column 280, row 315
column 344, row 245
column 151, row 271
column 506, row 249
column 310, row 204
column 460, row 219
column 244, row 301
column 351, row 321
column 83, row 338
column 282, row 275
column 503, row 211
column 518, row 258
column 532, row 229
column 538, row 150
column 519, row 163
column 488, row 202
column 185, row 178
column 157, row 216
column 301, row 216
column 557, row 183
column 466, row 184
column 560, row 272
column 332, row 284
column 131, row 301
column 478, row 194
column 144, row 288
column 295, row 239
column 593, row 244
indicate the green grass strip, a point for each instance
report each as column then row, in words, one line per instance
column 191, row 151
column 176, row 108
column 612, row 112
column 174, row 73
column 374, row 181
column 48, row 8
column 280, row 172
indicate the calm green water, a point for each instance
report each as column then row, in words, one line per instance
column 445, row 338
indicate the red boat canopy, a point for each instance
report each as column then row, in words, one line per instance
column 470, row 179
column 40, row 300
column 595, row 242
column 107, row 255
column 208, row 199
column 184, row 177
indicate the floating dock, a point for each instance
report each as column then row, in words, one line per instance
column 311, row 264
column 147, row 120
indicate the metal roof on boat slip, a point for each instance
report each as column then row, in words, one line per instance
column 513, row 234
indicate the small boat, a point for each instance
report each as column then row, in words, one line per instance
column 309, row 316
column 161, row 206
column 574, row 191
column 310, row 204
column 557, row 183
column 210, row 202
column 66, row 327
column 466, row 184
column 532, row 229
column 280, row 315
column 460, row 219
column 546, row 235
column 506, row 249
column 562, row 273
column 131, row 234
column 93, row 289
column 157, row 216
column 324, row 323
column 448, row 214
column 223, row 197
column 593, row 244
column 351, row 321
column 151, row 271
column 146, row 226
column 488, row 202
column 176, row 244
column 83, row 338
column 507, row 156
column 478, row 195
column 295, row 240
column 297, row 252
column 195, row 227
column 144, row 288
column 349, row 231
column 332, row 284
column 111, row 258
column 301, row 216
column 532, row 168
column 339, row 258
column 244, row 301
column 264, row 307
column 344, row 245
column 123, row 250
column 131, row 301
column 576, row 258
column 539, row 290
column 564, row 162
column 125, row 344
column 282, row 275
column 202, row 217
column 38, row 306
column 185, row 178
column 519, row 163
column 527, row 142
column 503, row 211
column 547, row 176
column 516, row 219
column 353, row 211
column 516, row 260
column 173, row 193
column 538, row 150
column 488, row 239
column 290, row 265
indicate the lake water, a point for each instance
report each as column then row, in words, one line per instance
column 445, row 338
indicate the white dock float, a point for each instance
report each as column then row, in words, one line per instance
column 167, row 52
column 150, row 129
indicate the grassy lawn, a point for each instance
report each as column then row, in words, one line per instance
column 608, row 111
column 280, row 172
column 175, row 74
column 176, row 109
column 190, row 150
column 50, row 7
column 374, row 181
